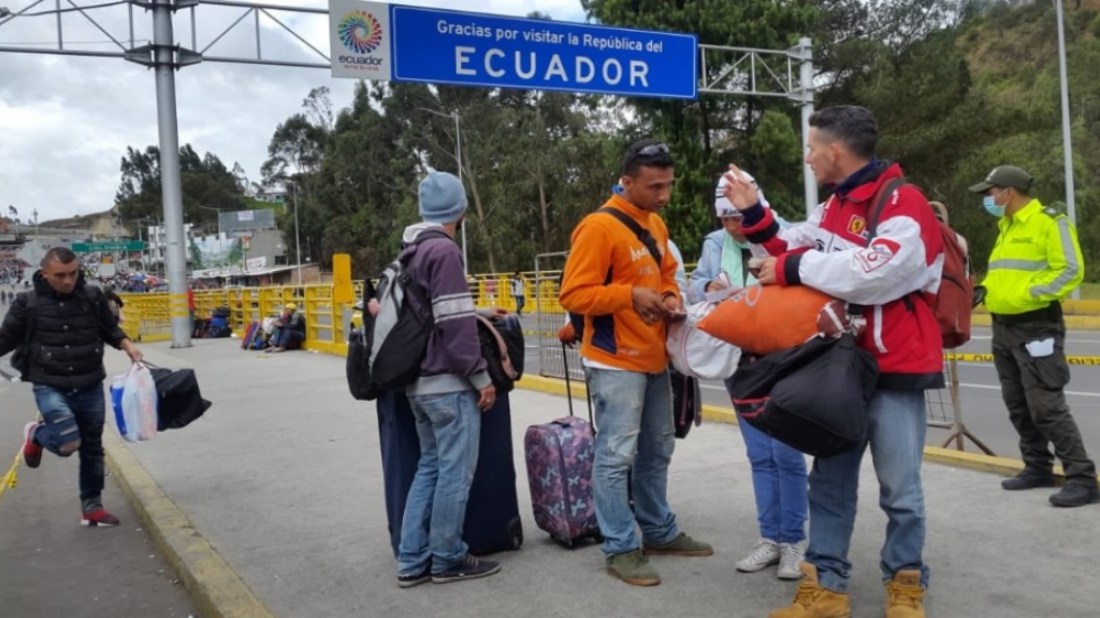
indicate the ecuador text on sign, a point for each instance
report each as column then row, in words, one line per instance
column 486, row 50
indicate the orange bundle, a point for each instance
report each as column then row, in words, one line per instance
column 764, row 319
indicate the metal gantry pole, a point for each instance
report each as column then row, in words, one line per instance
column 806, row 75
column 297, row 233
column 458, row 158
column 172, row 195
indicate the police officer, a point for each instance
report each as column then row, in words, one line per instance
column 1035, row 263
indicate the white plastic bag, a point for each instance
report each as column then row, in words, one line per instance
column 695, row 353
column 134, row 398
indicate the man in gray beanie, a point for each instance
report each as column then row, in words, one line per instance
column 447, row 400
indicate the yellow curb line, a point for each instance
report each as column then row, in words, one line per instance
column 1004, row 466
column 214, row 587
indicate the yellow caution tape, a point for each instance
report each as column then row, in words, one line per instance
column 988, row 358
column 10, row 479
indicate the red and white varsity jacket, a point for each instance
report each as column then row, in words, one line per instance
column 895, row 276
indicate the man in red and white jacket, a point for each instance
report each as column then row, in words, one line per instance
column 894, row 277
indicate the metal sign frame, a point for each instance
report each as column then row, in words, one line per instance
column 746, row 72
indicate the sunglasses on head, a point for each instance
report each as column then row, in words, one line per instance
column 651, row 150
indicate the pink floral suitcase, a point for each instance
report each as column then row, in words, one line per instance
column 559, row 469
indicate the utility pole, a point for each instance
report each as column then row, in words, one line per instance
column 172, row 197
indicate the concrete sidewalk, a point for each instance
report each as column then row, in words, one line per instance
column 50, row 566
column 283, row 479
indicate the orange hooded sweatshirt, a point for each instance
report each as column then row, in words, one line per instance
column 606, row 262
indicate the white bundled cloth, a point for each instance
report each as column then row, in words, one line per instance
column 695, row 353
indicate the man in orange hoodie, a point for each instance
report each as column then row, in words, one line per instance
column 622, row 279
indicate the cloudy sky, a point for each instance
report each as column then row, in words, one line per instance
column 65, row 121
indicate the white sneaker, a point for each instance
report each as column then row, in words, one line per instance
column 765, row 554
column 790, row 556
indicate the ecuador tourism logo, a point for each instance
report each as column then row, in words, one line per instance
column 360, row 36
column 360, row 32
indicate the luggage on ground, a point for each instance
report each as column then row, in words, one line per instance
column 559, row 457
column 246, row 338
column 492, row 513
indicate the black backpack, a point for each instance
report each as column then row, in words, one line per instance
column 387, row 353
column 501, row 339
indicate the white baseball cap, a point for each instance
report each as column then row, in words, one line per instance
column 722, row 206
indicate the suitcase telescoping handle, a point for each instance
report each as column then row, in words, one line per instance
column 569, row 388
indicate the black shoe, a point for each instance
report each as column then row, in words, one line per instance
column 469, row 568
column 1028, row 479
column 1076, row 494
column 408, row 581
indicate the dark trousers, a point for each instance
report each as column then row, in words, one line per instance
column 1032, row 388
column 521, row 301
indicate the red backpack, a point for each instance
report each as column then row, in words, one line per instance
column 953, row 300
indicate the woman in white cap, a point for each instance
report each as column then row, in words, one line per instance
column 778, row 471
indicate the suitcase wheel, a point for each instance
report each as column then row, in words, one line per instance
column 515, row 535
column 566, row 543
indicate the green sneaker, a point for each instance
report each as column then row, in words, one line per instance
column 682, row 545
column 633, row 568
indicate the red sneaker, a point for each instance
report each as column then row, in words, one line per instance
column 100, row 518
column 32, row 453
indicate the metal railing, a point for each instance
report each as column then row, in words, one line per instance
column 145, row 317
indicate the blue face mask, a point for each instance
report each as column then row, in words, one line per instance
column 992, row 208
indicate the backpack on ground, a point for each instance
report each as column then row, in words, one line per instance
column 396, row 339
column 953, row 302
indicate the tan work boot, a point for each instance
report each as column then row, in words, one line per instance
column 904, row 595
column 813, row 601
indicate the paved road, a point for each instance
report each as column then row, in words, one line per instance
column 50, row 565
column 983, row 409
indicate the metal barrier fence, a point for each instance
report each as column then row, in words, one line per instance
column 550, row 317
column 145, row 317
column 944, row 409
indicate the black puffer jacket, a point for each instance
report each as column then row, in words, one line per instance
column 66, row 349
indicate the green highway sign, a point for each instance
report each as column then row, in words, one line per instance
column 111, row 245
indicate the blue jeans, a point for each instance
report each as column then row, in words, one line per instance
column 895, row 434
column 287, row 338
column 70, row 415
column 779, row 484
column 449, row 427
column 635, row 433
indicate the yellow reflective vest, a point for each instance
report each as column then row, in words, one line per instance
column 1035, row 261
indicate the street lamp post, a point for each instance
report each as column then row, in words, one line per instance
column 458, row 160
column 1067, row 142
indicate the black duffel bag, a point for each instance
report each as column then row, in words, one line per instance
column 179, row 400
column 813, row 398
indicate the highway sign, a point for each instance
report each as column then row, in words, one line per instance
column 111, row 245
column 474, row 49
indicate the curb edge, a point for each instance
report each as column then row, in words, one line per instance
column 215, row 587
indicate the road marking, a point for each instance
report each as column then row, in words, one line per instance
column 992, row 387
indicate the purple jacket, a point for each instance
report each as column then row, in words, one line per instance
column 453, row 360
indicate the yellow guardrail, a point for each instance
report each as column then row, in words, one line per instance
column 147, row 317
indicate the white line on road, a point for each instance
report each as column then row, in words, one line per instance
column 997, row 387
column 990, row 387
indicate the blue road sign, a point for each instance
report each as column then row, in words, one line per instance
column 472, row 49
